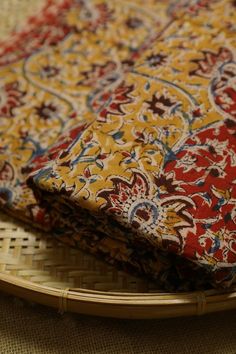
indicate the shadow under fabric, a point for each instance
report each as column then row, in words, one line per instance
column 122, row 122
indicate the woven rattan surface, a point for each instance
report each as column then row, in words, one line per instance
column 35, row 266
column 36, row 257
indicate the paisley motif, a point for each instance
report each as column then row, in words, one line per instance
column 117, row 133
column 11, row 97
column 223, row 89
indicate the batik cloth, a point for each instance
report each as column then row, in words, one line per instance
column 121, row 117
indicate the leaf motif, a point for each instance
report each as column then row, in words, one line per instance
column 151, row 152
column 100, row 164
column 147, row 86
column 92, row 180
column 118, row 135
column 87, row 172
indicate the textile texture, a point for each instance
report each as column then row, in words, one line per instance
column 117, row 133
column 34, row 329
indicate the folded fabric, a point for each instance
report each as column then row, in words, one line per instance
column 167, row 140
column 51, row 73
column 129, row 132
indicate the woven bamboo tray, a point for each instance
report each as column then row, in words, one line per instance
column 38, row 269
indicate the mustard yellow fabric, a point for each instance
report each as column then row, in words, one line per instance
column 109, row 107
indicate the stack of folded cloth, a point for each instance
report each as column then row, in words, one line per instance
column 118, row 134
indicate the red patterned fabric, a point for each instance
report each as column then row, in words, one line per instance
column 127, row 142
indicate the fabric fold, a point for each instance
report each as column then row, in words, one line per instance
column 124, row 129
column 158, row 161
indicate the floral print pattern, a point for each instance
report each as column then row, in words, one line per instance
column 10, row 98
column 126, row 135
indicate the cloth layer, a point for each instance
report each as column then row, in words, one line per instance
column 128, row 135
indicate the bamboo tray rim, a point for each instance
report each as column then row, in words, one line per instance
column 25, row 250
column 121, row 305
